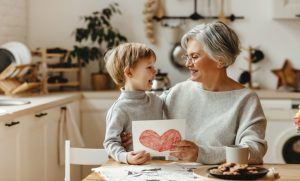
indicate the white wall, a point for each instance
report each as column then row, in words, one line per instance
column 13, row 19
column 51, row 23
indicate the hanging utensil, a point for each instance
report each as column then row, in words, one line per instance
column 176, row 56
column 160, row 9
column 222, row 16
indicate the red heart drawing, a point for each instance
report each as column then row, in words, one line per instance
column 151, row 139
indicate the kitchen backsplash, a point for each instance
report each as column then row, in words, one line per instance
column 13, row 18
column 41, row 27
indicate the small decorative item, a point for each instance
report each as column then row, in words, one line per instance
column 176, row 55
column 297, row 120
column 152, row 8
column 221, row 15
column 286, row 75
column 254, row 56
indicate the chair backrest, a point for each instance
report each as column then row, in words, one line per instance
column 82, row 156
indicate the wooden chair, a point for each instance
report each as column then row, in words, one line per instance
column 82, row 156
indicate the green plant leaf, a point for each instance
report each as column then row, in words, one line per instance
column 105, row 21
column 97, row 28
column 94, row 35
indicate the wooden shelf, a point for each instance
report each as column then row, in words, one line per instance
column 49, row 60
column 68, row 84
column 48, row 55
column 63, row 69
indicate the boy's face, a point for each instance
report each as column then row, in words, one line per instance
column 143, row 74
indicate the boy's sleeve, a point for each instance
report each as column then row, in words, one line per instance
column 115, row 122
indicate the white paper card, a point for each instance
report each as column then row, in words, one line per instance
column 157, row 136
column 163, row 172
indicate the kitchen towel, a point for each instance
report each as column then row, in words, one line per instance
column 68, row 130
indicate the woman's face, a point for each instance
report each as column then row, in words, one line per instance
column 201, row 66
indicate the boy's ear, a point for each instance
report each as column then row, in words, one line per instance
column 127, row 72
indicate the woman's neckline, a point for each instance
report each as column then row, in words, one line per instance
column 200, row 86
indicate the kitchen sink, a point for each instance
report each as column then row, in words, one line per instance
column 8, row 102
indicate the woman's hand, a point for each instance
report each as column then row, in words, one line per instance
column 185, row 150
column 137, row 158
column 126, row 140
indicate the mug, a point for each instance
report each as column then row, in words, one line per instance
column 237, row 154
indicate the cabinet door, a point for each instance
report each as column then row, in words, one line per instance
column 286, row 9
column 9, row 151
column 93, row 120
column 54, row 171
column 33, row 148
column 93, row 117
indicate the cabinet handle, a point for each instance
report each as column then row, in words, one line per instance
column 12, row 123
column 41, row 115
column 295, row 106
column 298, row 15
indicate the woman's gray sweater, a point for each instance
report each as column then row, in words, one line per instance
column 217, row 119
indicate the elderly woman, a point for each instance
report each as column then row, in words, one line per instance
column 219, row 111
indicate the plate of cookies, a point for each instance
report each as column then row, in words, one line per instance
column 235, row 171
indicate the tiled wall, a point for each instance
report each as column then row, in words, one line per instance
column 13, row 20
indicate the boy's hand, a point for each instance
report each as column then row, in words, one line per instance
column 126, row 139
column 137, row 158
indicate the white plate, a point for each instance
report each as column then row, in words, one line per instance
column 20, row 51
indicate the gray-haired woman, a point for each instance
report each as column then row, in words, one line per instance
column 219, row 111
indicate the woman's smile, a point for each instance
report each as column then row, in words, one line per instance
column 193, row 71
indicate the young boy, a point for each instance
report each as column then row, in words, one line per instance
column 131, row 65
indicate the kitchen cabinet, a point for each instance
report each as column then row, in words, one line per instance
column 32, row 148
column 280, row 128
column 29, row 149
column 54, row 171
column 94, row 108
column 286, row 9
column 9, row 151
column 93, row 121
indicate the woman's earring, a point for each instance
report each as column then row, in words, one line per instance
column 220, row 65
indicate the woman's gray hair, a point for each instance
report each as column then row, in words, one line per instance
column 217, row 39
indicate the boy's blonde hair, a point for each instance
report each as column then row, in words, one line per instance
column 125, row 55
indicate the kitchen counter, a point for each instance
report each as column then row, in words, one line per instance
column 262, row 94
column 271, row 94
column 42, row 102
column 37, row 103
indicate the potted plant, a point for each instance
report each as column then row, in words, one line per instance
column 94, row 39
